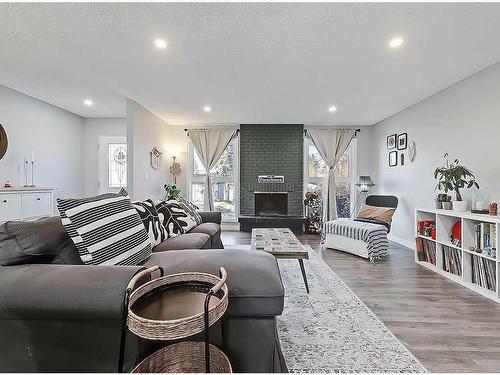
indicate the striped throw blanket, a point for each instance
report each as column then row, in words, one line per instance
column 374, row 235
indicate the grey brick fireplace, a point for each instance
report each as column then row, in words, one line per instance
column 271, row 150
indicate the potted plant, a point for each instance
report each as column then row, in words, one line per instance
column 447, row 202
column 171, row 192
column 438, row 200
column 453, row 177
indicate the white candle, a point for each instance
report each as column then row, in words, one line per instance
column 32, row 156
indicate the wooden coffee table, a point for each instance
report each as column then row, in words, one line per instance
column 282, row 244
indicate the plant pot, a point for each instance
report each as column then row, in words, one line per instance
column 439, row 205
column 460, row 206
column 446, row 205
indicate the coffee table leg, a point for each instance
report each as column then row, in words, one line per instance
column 301, row 262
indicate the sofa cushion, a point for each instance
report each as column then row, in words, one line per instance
column 191, row 209
column 254, row 280
column 213, row 230
column 185, row 241
column 40, row 241
column 174, row 218
column 149, row 217
column 109, row 230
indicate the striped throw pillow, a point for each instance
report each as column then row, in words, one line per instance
column 106, row 229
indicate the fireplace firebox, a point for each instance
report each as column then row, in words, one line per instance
column 271, row 203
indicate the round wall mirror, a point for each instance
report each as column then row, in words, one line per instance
column 3, row 142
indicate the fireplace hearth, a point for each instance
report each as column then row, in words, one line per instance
column 271, row 203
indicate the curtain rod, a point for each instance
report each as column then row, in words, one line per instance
column 355, row 132
column 187, row 129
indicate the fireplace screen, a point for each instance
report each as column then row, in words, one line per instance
column 271, row 204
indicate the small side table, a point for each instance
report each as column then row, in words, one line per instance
column 175, row 307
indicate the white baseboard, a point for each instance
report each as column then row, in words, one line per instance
column 401, row 241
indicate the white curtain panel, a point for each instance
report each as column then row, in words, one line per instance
column 209, row 145
column 331, row 145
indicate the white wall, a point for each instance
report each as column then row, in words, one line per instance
column 93, row 128
column 53, row 134
column 145, row 130
column 463, row 120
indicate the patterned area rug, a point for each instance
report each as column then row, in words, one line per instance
column 331, row 330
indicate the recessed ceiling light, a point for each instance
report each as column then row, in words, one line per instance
column 160, row 43
column 332, row 108
column 396, row 42
column 88, row 102
column 207, row 108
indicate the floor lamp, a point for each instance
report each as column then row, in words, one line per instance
column 364, row 184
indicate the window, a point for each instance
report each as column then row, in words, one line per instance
column 224, row 177
column 117, row 165
column 345, row 170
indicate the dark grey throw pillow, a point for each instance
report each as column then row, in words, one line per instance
column 40, row 241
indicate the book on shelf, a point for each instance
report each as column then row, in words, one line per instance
column 486, row 238
column 452, row 260
column 426, row 250
column 484, row 272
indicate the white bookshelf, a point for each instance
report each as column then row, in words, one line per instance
column 445, row 219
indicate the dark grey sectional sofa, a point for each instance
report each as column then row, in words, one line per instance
column 57, row 315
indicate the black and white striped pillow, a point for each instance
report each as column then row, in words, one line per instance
column 106, row 229
column 149, row 216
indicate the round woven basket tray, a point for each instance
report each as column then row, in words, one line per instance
column 165, row 288
column 184, row 357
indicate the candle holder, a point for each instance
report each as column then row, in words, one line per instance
column 26, row 170
column 32, row 173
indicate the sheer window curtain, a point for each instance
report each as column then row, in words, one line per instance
column 209, row 145
column 331, row 145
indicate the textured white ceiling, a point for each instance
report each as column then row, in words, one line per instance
column 253, row 62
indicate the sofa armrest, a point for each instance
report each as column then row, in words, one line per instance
column 210, row 217
column 68, row 292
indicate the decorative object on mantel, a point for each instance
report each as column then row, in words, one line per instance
column 7, row 184
column 480, row 203
column 453, row 177
column 402, row 141
column 393, row 159
column 391, row 141
column 412, row 151
column 27, row 163
column 266, row 179
column 171, row 192
column 4, row 143
column 493, row 211
column 155, row 158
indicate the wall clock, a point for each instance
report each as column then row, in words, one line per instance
column 3, row 142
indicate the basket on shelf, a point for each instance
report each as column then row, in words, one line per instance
column 174, row 307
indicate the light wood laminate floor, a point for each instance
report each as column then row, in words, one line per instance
column 446, row 326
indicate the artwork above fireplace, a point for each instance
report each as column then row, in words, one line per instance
column 271, row 203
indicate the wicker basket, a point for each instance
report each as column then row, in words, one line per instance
column 184, row 357
column 186, row 326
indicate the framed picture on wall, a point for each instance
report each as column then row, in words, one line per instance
column 391, row 141
column 402, row 141
column 393, row 158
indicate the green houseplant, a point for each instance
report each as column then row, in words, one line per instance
column 171, row 192
column 453, row 177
